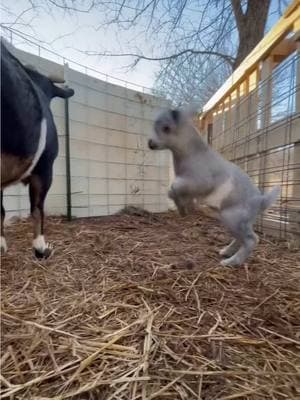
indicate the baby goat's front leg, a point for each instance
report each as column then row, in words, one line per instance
column 181, row 193
column 183, row 205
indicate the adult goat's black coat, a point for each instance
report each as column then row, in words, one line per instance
column 29, row 143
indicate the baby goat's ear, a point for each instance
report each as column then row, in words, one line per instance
column 175, row 115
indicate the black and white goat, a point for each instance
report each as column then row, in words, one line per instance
column 29, row 142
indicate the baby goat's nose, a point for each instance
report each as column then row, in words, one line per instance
column 151, row 144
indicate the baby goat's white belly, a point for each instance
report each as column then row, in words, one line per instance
column 216, row 198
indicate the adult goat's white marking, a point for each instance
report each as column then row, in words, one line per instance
column 40, row 149
column 3, row 244
column 216, row 198
column 39, row 243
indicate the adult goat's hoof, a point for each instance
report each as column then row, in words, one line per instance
column 43, row 253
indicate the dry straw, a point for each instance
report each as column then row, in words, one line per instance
column 137, row 307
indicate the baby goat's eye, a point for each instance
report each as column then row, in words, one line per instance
column 166, row 129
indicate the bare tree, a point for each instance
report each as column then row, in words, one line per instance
column 187, row 37
column 177, row 28
column 251, row 25
column 194, row 81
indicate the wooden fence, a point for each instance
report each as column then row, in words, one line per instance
column 254, row 120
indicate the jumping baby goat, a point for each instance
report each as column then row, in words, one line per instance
column 204, row 175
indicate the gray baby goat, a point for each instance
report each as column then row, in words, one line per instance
column 203, row 175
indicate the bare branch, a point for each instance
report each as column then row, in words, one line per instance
column 230, row 60
column 185, row 37
column 21, row 15
column 65, row 6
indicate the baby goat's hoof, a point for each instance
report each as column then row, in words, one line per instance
column 230, row 262
column 182, row 211
column 224, row 252
column 229, row 250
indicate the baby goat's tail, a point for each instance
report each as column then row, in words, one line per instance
column 267, row 199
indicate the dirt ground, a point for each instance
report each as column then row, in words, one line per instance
column 138, row 307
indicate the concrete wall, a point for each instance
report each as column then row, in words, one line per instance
column 111, row 165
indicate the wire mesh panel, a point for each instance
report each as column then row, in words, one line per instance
column 258, row 127
column 111, row 164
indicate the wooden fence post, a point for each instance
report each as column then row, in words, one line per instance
column 266, row 97
column 296, row 158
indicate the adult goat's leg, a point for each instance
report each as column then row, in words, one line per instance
column 3, row 244
column 38, row 189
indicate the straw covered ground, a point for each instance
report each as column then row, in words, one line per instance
column 138, row 307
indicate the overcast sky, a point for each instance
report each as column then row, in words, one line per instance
column 68, row 33
column 81, row 34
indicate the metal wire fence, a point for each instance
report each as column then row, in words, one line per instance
column 19, row 39
column 258, row 128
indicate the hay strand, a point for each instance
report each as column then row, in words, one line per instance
column 137, row 306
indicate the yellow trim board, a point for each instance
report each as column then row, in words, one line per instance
column 264, row 47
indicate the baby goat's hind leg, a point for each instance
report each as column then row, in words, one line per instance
column 244, row 251
column 240, row 226
column 232, row 248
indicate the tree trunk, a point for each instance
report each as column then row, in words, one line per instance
column 250, row 24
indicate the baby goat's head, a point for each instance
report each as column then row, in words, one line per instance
column 166, row 130
column 171, row 130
